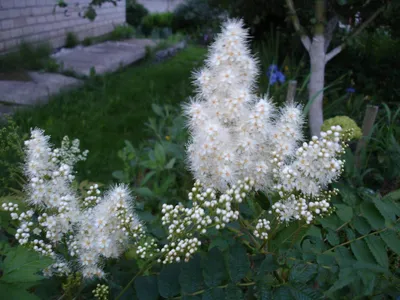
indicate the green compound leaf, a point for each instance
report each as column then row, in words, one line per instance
column 213, row 294
column 303, row 272
column 333, row 237
column 23, row 265
column 377, row 247
column 361, row 251
column 392, row 240
column 232, row 292
column 344, row 212
column 373, row 216
column 146, row 288
column 191, row 278
column 214, row 271
column 238, row 262
column 168, row 283
column 361, row 225
column 14, row 291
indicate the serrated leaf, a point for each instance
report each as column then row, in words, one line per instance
column 362, row 252
column 348, row 193
column 264, row 290
column 159, row 154
column 232, row 292
column 170, row 164
column 214, row 271
column 268, row 265
column 331, row 222
column 344, row 212
column 288, row 236
column 392, row 240
column 327, row 259
column 283, row 293
column 23, row 265
column 301, row 291
column 368, row 280
column 220, row 243
column 168, row 283
column 377, row 247
column 385, row 210
column 332, row 237
column 191, row 278
column 213, row 294
column 144, row 192
column 361, row 225
column 146, row 288
column 346, row 277
column 373, row 216
column 238, row 262
column 350, row 234
column 303, row 272
column 392, row 196
column 15, row 291
column 314, row 231
column 157, row 110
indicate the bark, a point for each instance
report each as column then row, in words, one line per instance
column 316, row 85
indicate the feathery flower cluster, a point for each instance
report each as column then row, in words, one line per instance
column 93, row 228
column 233, row 130
column 208, row 210
column 236, row 134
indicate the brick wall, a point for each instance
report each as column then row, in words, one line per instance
column 35, row 21
column 159, row 5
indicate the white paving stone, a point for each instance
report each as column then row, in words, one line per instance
column 104, row 57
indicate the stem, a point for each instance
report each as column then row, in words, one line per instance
column 297, row 26
column 353, row 240
column 218, row 287
column 134, row 277
column 360, row 28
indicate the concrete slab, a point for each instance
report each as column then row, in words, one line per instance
column 42, row 86
column 104, row 57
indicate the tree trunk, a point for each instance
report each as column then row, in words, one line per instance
column 316, row 85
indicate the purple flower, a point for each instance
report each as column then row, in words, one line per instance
column 275, row 75
column 350, row 90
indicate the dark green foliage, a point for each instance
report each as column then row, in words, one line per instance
column 135, row 12
column 156, row 21
column 27, row 57
column 87, row 41
column 192, row 16
column 122, row 32
column 11, row 157
column 71, row 40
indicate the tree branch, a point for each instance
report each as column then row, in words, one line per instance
column 305, row 39
column 329, row 29
column 356, row 32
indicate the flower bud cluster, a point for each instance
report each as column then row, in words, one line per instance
column 101, row 292
column 208, row 210
column 262, row 228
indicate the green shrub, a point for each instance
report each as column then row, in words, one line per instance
column 135, row 12
column 156, row 21
column 87, row 41
column 71, row 40
column 192, row 15
column 28, row 57
column 122, row 32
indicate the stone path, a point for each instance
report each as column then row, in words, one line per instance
column 103, row 58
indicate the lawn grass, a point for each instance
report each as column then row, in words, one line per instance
column 110, row 109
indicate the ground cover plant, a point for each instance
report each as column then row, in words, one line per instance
column 265, row 212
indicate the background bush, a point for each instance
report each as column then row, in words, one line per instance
column 135, row 12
